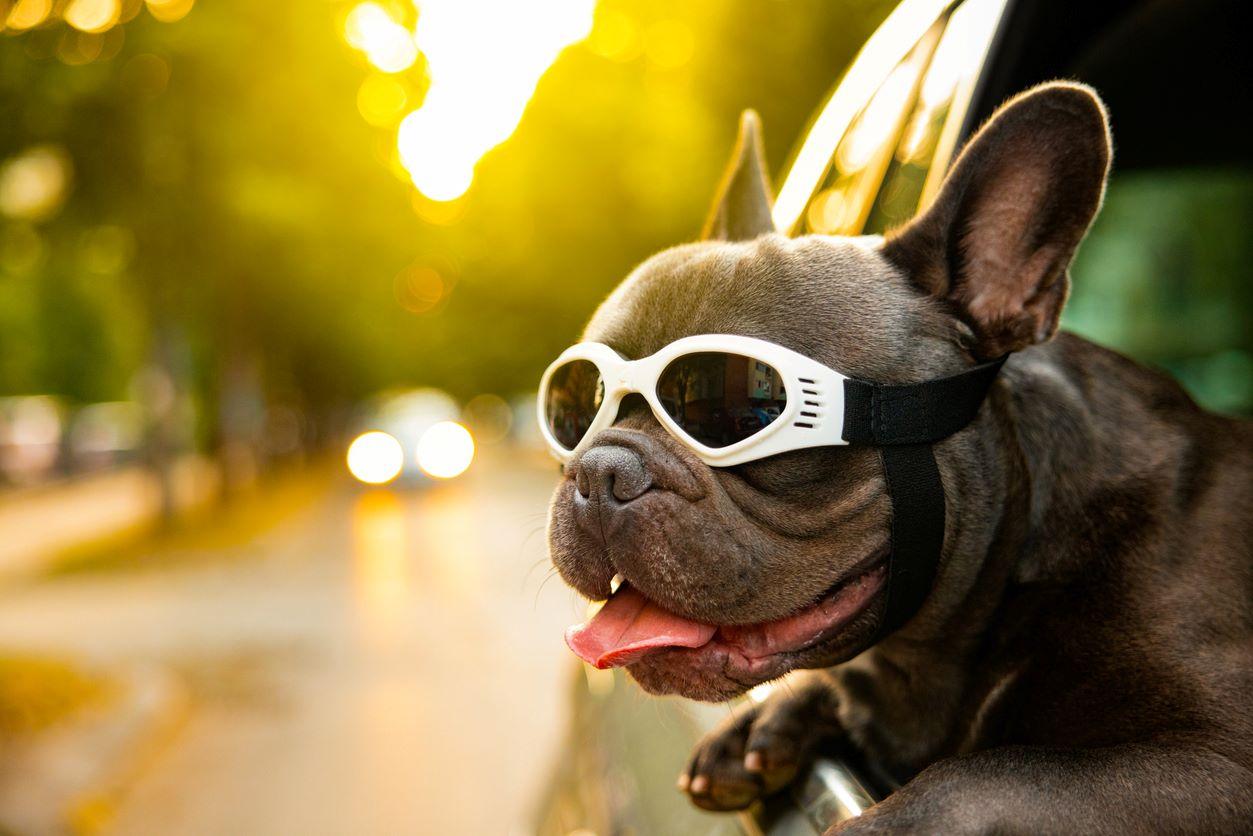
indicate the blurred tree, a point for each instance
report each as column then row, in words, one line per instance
column 231, row 221
column 1163, row 276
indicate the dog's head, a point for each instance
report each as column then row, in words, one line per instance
column 784, row 556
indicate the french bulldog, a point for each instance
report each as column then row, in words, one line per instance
column 1083, row 662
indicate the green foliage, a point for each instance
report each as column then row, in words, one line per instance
column 1163, row 277
column 266, row 228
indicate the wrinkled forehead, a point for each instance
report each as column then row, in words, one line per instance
column 837, row 300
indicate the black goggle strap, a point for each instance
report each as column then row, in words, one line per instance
column 904, row 421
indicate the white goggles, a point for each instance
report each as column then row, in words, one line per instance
column 730, row 399
column 733, row 399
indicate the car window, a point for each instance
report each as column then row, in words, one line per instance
column 902, row 125
column 865, row 153
column 931, row 133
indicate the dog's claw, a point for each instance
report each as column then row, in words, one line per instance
column 754, row 762
column 755, row 752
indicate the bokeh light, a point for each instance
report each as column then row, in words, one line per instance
column 146, row 76
column 386, row 43
column 382, row 100
column 420, row 289
column 616, row 36
column 489, row 416
column 27, row 14
column 33, row 183
column 168, row 11
column 445, row 450
column 375, row 458
column 93, row 15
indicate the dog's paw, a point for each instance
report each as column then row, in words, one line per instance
column 755, row 752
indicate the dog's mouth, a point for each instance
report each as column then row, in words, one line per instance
column 630, row 627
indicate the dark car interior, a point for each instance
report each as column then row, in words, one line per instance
column 1173, row 72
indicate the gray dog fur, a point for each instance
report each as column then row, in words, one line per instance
column 1084, row 662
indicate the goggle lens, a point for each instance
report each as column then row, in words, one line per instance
column 718, row 398
column 575, row 392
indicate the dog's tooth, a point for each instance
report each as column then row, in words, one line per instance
column 615, row 582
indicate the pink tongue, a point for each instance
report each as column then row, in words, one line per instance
column 629, row 626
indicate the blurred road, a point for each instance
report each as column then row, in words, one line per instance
column 382, row 662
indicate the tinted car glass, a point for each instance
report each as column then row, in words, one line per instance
column 931, row 131
column 890, row 160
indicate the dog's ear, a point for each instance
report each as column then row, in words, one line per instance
column 997, row 242
column 741, row 211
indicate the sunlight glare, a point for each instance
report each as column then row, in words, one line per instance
column 387, row 44
column 484, row 58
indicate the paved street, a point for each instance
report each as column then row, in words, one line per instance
column 380, row 662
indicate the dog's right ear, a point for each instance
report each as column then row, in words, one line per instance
column 997, row 243
column 741, row 211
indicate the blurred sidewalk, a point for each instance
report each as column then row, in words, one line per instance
column 38, row 524
column 65, row 779
column 381, row 662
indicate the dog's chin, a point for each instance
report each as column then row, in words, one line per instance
column 739, row 658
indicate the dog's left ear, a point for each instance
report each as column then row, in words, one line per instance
column 742, row 208
column 998, row 241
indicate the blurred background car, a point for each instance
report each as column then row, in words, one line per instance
column 415, row 437
column 240, row 241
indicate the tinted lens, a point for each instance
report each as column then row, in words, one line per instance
column 719, row 399
column 575, row 391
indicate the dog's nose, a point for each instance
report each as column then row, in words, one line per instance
column 609, row 471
